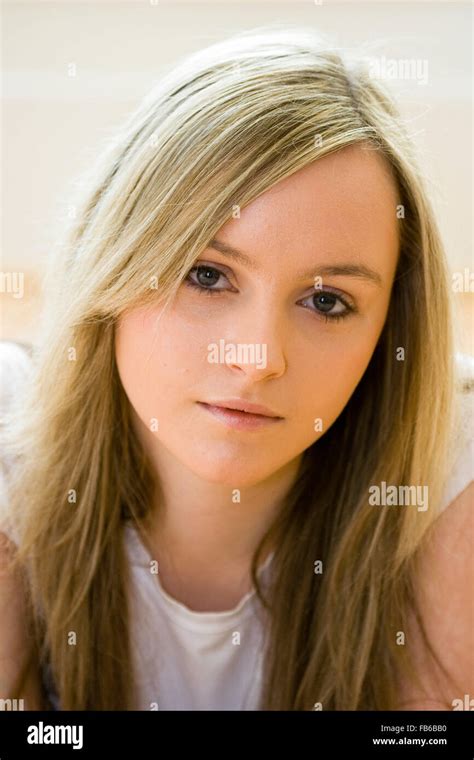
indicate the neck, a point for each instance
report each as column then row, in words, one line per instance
column 204, row 534
column 201, row 520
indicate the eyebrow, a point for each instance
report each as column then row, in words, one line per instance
column 349, row 270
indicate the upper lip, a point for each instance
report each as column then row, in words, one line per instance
column 243, row 406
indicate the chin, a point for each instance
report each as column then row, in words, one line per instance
column 229, row 472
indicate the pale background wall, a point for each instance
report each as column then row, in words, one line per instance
column 52, row 123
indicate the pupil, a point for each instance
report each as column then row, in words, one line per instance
column 207, row 276
column 326, row 302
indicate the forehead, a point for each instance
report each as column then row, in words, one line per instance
column 341, row 205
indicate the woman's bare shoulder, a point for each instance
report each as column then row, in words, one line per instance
column 444, row 583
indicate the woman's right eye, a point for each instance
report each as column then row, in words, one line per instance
column 203, row 277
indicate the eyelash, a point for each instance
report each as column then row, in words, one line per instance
column 208, row 291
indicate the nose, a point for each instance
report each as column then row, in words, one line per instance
column 257, row 349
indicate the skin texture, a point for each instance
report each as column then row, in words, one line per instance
column 444, row 594
column 338, row 210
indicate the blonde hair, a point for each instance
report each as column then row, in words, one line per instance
column 218, row 130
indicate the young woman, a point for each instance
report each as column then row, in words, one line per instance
column 237, row 468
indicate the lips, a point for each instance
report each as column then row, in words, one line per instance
column 241, row 419
column 244, row 406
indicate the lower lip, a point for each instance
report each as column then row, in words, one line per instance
column 240, row 420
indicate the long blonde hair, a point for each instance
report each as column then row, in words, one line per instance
column 217, row 131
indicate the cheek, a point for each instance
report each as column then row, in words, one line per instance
column 335, row 367
column 149, row 346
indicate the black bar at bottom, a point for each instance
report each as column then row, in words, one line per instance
column 440, row 734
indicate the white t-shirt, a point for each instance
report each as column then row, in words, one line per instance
column 188, row 660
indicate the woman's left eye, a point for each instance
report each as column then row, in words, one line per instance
column 206, row 276
column 324, row 302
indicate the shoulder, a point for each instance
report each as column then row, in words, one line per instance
column 447, row 556
column 443, row 587
column 462, row 442
column 15, row 639
column 15, row 366
column 444, row 576
column 15, row 363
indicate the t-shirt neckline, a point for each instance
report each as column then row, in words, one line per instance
column 181, row 614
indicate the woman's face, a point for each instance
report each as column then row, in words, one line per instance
column 289, row 323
